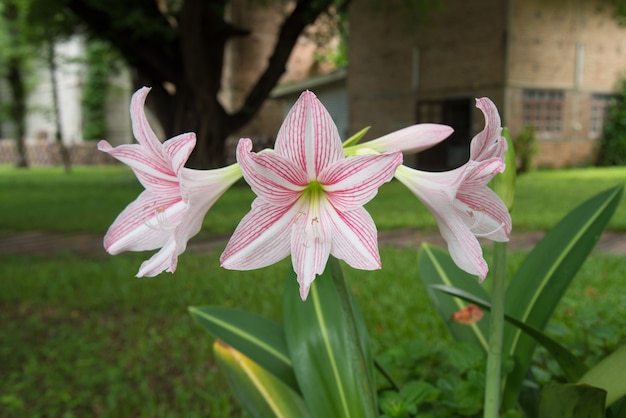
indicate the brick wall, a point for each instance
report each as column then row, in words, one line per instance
column 495, row 50
column 569, row 45
column 396, row 62
column 381, row 69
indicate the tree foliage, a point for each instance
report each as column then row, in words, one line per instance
column 101, row 63
column 178, row 48
column 21, row 43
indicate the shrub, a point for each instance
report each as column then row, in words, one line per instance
column 612, row 143
column 525, row 144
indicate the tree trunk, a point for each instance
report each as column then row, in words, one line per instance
column 65, row 155
column 15, row 79
column 18, row 108
column 188, row 110
column 183, row 63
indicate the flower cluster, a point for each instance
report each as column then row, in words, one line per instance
column 310, row 194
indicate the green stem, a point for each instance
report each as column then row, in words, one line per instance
column 496, row 328
column 387, row 375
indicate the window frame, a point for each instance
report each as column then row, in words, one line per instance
column 544, row 110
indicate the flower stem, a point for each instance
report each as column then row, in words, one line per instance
column 496, row 329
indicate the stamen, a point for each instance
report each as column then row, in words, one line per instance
column 152, row 213
column 477, row 220
column 486, row 234
column 298, row 215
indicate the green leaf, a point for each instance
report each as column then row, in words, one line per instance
column 571, row 401
column 259, row 391
column 545, row 274
column 356, row 137
column 417, row 392
column 609, row 374
column 328, row 344
column 405, row 403
column 571, row 365
column 504, row 183
column 437, row 268
column 256, row 337
column 464, row 356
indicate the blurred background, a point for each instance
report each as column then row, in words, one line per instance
column 80, row 336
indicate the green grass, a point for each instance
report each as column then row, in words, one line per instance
column 80, row 336
column 90, row 198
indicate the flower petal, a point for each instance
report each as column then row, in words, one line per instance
column 261, row 238
column 164, row 260
column 411, row 139
column 488, row 143
column 178, row 149
column 145, row 224
column 309, row 137
column 355, row 239
column 201, row 189
column 271, row 176
column 487, row 215
column 463, row 246
column 311, row 239
column 142, row 131
column 478, row 174
column 146, row 166
column 354, row 181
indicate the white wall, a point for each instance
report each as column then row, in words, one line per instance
column 40, row 120
column 40, row 123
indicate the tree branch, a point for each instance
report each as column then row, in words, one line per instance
column 305, row 13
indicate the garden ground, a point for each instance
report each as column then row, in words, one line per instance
column 48, row 243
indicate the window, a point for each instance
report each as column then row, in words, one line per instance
column 543, row 110
column 598, row 113
column 430, row 111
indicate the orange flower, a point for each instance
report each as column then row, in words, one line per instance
column 468, row 315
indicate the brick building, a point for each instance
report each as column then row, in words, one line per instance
column 550, row 64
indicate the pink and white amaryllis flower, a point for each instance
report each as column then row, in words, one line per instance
column 171, row 209
column 310, row 199
column 460, row 200
column 465, row 208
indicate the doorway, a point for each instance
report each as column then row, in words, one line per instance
column 453, row 151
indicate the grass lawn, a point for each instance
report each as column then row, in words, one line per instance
column 79, row 336
column 90, row 198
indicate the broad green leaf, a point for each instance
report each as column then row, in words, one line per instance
column 256, row 337
column 437, row 268
column 354, row 139
column 504, row 183
column 259, row 391
column 618, row 409
column 327, row 342
column 609, row 374
column 545, row 274
column 571, row 365
column 571, row 401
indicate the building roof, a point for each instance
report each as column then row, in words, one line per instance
column 310, row 83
